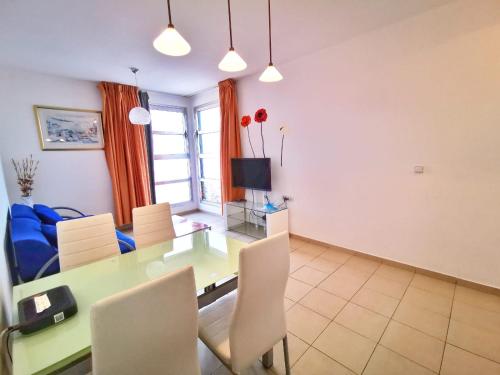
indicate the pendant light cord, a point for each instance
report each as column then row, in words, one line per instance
column 270, row 46
column 170, row 24
column 230, row 26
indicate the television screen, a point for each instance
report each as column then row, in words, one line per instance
column 252, row 173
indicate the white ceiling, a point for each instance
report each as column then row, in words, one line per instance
column 99, row 39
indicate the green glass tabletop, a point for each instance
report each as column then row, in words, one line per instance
column 212, row 255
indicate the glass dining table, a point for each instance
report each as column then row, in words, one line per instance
column 213, row 256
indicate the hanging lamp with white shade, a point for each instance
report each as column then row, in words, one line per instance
column 170, row 42
column 270, row 74
column 138, row 115
column 232, row 61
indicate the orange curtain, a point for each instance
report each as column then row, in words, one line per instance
column 125, row 149
column 230, row 144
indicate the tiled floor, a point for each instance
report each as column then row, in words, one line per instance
column 352, row 315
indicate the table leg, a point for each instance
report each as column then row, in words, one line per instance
column 267, row 359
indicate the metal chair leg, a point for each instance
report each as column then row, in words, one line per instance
column 287, row 357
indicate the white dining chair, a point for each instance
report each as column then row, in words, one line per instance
column 149, row 329
column 86, row 240
column 152, row 224
column 244, row 325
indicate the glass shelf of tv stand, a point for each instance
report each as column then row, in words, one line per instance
column 256, row 206
column 248, row 218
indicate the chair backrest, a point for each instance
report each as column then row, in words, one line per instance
column 86, row 240
column 152, row 224
column 258, row 320
column 150, row 329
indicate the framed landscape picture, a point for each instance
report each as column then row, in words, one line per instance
column 69, row 128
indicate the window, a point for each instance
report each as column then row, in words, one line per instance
column 208, row 145
column 170, row 148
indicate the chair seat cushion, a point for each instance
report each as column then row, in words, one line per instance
column 50, row 233
column 46, row 214
column 123, row 247
column 19, row 211
column 213, row 326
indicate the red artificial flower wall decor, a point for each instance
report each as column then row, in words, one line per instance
column 260, row 115
column 245, row 121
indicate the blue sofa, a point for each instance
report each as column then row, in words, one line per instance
column 34, row 239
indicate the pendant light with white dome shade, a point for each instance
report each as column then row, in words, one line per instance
column 170, row 42
column 271, row 74
column 232, row 62
column 138, row 115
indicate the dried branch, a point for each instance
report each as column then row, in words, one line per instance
column 25, row 170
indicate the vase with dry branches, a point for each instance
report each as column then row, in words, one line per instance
column 25, row 171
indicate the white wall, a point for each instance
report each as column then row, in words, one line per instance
column 77, row 179
column 425, row 91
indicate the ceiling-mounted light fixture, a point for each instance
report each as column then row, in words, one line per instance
column 138, row 115
column 170, row 42
column 271, row 74
column 232, row 62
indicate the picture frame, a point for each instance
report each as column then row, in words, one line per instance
column 62, row 128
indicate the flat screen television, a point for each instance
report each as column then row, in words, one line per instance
column 252, row 173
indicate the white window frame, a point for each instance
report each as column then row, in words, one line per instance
column 191, row 204
column 203, row 205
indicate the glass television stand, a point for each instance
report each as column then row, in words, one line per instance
column 255, row 220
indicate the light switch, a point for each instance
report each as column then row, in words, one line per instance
column 418, row 169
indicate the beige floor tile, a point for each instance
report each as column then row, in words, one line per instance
column 376, row 301
column 459, row 362
column 313, row 249
column 208, row 361
column 296, row 243
column 427, row 300
column 336, row 255
column 385, row 286
column 305, row 323
column 255, row 369
column 296, row 347
column 323, row 303
column 309, row 275
column 288, row 303
column 479, row 299
column 363, row 321
column 296, row 289
column 346, row 271
column 298, row 259
column 362, row 264
column 345, row 346
column 313, row 362
column 394, row 273
column 324, row 265
column 434, row 285
column 387, row 362
column 479, row 341
column 429, row 322
column 415, row 345
column 342, row 286
column 477, row 317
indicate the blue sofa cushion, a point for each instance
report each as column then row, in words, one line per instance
column 46, row 214
column 31, row 248
column 19, row 211
column 50, row 233
column 124, row 248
